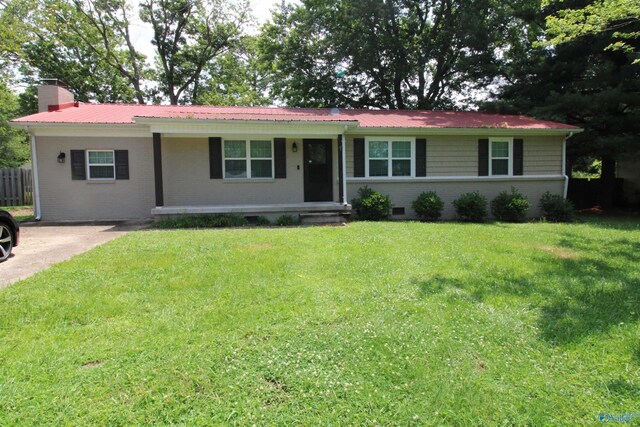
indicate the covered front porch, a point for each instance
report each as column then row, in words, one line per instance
column 250, row 170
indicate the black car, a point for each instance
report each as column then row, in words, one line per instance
column 9, row 234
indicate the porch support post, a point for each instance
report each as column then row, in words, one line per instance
column 157, row 168
column 343, row 167
column 340, row 170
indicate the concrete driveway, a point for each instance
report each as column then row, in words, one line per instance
column 42, row 245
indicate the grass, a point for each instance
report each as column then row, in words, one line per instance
column 19, row 213
column 370, row 324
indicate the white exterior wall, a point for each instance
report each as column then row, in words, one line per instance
column 62, row 198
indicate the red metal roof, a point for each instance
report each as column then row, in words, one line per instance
column 126, row 114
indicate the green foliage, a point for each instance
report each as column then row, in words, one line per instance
column 287, row 221
column 188, row 35
column 383, row 54
column 203, row 221
column 510, row 207
column 14, row 144
column 428, row 206
column 235, row 78
column 471, row 207
column 620, row 18
column 371, row 324
column 371, row 205
column 263, row 221
column 586, row 167
column 556, row 208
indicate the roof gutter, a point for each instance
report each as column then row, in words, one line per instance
column 564, row 164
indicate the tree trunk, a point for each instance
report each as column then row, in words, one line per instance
column 607, row 182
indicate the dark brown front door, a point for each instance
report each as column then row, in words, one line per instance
column 318, row 185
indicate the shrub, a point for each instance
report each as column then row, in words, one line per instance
column 263, row 221
column 556, row 208
column 428, row 206
column 471, row 207
column 203, row 221
column 287, row 220
column 510, row 207
column 371, row 205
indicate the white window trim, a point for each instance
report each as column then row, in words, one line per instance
column 113, row 165
column 491, row 158
column 248, row 158
column 389, row 140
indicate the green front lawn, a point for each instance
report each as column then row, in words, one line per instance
column 374, row 323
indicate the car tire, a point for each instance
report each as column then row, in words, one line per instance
column 6, row 241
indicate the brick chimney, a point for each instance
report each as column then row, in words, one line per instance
column 53, row 95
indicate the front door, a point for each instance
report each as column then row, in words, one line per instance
column 318, row 185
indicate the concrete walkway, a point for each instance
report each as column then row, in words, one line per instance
column 42, row 245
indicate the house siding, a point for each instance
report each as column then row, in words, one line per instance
column 458, row 155
column 186, row 179
column 62, row 198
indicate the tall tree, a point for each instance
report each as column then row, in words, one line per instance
column 188, row 35
column 384, row 53
column 56, row 39
column 14, row 146
column 235, row 78
column 111, row 20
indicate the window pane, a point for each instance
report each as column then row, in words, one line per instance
column 261, row 149
column 500, row 166
column 101, row 157
column 378, row 168
column 235, row 169
column 401, row 149
column 378, row 150
column 101, row 172
column 500, row 149
column 401, row 167
column 235, row 149
column 260, row 168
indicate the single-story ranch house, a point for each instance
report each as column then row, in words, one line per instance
column 112, row 161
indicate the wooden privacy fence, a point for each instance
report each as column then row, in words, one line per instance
column 16, row 187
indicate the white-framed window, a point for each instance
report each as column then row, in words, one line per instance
column 101, row 165
column 500, row 156
column 389, row 157
column 248, row 159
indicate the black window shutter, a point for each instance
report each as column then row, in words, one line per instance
column 518, row 160
column 421, row 157
column 358, row 157
column 122, row 164
column 483, row 157
column 280, row 157
column 215, row 157
column 78, row 166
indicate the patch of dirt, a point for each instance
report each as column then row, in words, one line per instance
column 93, row 364
column 22, row 212
column 561, row 253
column 480, row 365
